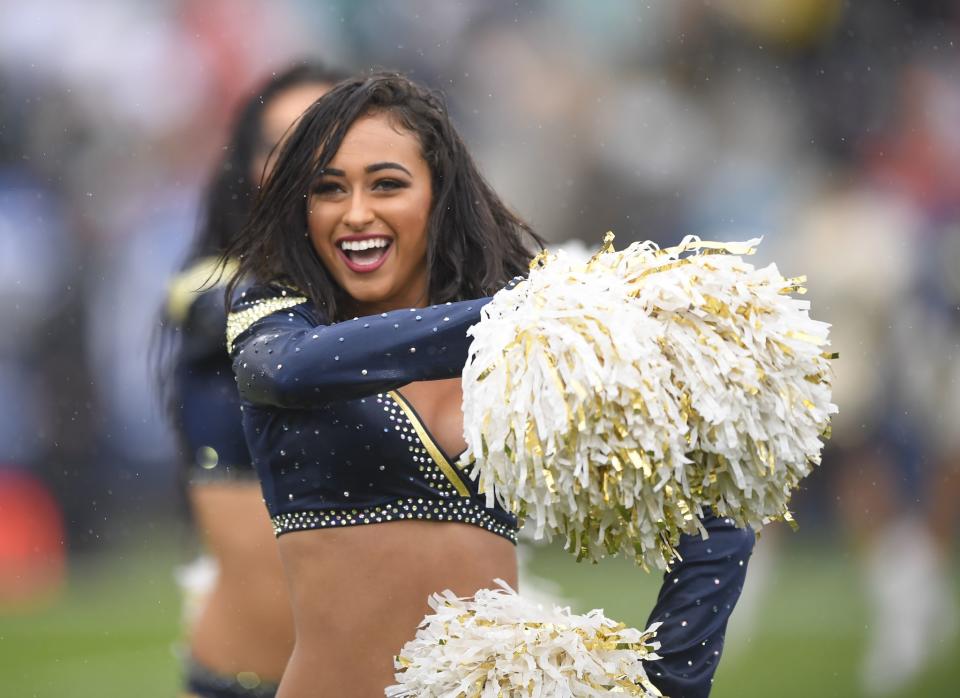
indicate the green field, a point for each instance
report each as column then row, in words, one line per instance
column 113, row 633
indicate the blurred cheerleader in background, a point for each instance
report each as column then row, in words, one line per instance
column 242, row 634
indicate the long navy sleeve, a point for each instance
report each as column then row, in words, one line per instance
column 285, row 355
column 695, row 602
column 202, row 328
column 205, row 405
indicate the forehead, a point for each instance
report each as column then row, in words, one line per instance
column 286, row 106
column 374, row 138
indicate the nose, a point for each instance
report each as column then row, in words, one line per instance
column 359, row 215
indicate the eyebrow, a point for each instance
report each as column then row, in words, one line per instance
column 375, row 167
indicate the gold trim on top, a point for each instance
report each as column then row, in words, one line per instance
column 240, row 321
column 428, row 442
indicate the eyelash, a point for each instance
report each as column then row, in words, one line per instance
column 386, row 184
column 391, row 184
column 327, row 188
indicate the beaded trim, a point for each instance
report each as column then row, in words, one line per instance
column 240, row 321
column 455, row 509
column 415, row 433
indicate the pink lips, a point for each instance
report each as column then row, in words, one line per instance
column 363, row 268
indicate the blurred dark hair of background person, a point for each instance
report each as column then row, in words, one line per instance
column 241, row 634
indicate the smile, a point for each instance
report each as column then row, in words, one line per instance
column 364, row 254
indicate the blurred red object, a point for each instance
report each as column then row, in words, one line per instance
column 32, row 555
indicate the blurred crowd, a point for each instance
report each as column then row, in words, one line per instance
column 830, row 127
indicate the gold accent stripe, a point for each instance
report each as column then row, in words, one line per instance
column 239, row 322
column 428, row 442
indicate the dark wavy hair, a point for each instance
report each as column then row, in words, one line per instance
column 475, row 243
column 229, row 197
column 231, row 192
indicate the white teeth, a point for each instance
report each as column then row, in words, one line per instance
column 360, row 245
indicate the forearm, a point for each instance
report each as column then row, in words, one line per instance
column 287, row 362
column 695, row 602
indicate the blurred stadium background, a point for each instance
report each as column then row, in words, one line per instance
column 831, row 127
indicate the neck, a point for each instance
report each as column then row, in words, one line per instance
column 418, row 299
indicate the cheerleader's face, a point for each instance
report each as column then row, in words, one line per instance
column 279, row 116
column 368, row 213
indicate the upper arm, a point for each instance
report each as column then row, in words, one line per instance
column 282, row 357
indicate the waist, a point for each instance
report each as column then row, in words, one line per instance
column 356, row 576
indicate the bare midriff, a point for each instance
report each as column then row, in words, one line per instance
column 245, row 624
column 360, row 592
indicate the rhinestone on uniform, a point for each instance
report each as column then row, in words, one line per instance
column 459, row 509
column 238, row 322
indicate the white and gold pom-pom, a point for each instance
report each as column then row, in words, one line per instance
column 612, row 400
column 499, row 644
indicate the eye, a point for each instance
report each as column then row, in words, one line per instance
column 388, row 184
column 327, row 188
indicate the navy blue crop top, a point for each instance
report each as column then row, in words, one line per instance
column 335, row 445
column 206, row 405
column 332, row 440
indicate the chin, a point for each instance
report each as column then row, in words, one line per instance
column 370, row 294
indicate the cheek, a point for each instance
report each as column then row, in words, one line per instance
column 257, row 167
column 319, row 227
column 416, row 221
